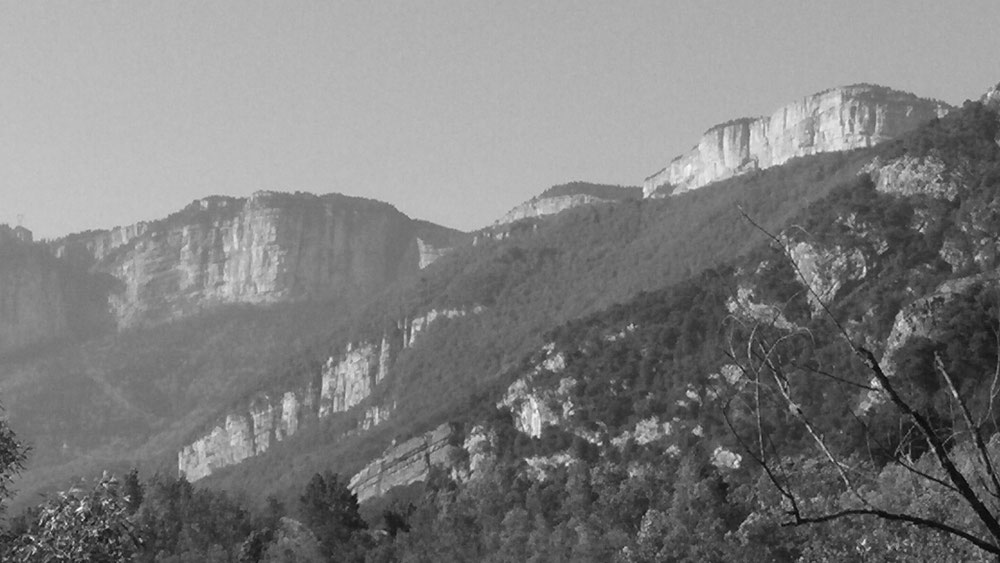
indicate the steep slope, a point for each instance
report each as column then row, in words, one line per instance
column 883, row 238
column 521, row 280
column 838, row 119
column 630, row 433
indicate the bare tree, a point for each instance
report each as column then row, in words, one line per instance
column 776, row 386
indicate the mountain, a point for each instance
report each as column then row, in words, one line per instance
column 120, row 342
column 637, row 433
column 267, row 248
column 837, row 119
column 585, row 368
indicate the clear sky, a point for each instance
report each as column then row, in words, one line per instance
column 454, row 111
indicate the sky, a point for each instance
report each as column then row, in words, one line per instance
column 453, row 111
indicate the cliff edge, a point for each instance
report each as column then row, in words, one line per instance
column 838, row 119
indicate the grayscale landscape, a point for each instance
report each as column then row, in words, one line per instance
column 517, row 282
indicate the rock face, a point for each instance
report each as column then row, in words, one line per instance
column 838, row 119
column 826, row 270
column 534, row 409
column 405, row 463
column 566, row 196
column 347, row 380
column 33, row 303
column 907, row 176
column 265, row 248
column 920, row 317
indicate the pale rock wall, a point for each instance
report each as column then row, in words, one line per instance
column 839, row 119
column 266, row 248
column 33, row 305
column 542, row 206
column 534, row 409
column 228, row 443
column 345, row 381
column 349, row 380
column 920, row 317
column 826, row 270
column 405, row 463
column 480, row 443
column 428, row 254
column 413, row 328
column 744, row 305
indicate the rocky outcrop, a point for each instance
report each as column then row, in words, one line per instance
column 33, row 303
column 838, row 119
column 992, row 97
column 348, row 380
column 345, row 381
column 747, row 308
column 919, row 318
column 413, row 328
column 540, row 207
column 567, row 196
column 826, row 270
column 405, row 463
column 535, row 408
column 266, row 248
column 908, row 176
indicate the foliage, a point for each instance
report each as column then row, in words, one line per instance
column 80, row 525
column 330, row 510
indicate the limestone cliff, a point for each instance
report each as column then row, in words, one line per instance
column 405, row 463
column 566, row 196
column 33, row 303
column 347, row 380
column 838, row 119
column 265, row 248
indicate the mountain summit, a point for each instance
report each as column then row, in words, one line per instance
column 838, row 119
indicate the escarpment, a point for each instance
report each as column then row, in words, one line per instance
column 838, row 119
column 567, row 196
column 350, row 379
column 33, row 304
column 267, row 248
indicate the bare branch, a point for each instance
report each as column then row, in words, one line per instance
column 984, row 454
column 896, row 517
column 940, row 452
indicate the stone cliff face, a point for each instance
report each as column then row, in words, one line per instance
column 346, row 381
column 405, row 463
column 839, row 119
column 542, row 206
column 266, row 248
column 33, row 303
column 560, row 198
